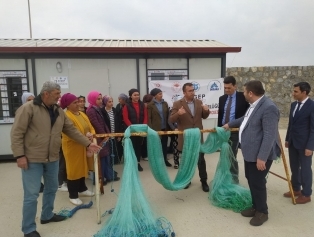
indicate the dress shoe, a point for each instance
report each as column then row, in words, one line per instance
column 303, row 199
column 55, row 218
column 296, row 193
column 168, row 164
column 139, row 167
column 76, row 201
column 205, row 187
column 258, row 219
column 187, row 186
column 32, row 234
column 249, row 212
column 87, row 193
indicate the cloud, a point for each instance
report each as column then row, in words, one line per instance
column 269, row 32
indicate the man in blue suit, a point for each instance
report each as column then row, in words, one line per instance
column 232, row 105
column 258, row 136
column 300, row 142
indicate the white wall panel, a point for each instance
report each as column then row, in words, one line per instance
column 12, row 64
column 109, row 76
column 167, row 63
column 205, row 68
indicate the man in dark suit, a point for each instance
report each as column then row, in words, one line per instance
column 258, row 136
column 300, row 142
column 232, row 105
column 188, row 113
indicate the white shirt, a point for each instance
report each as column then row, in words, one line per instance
column 247, row 116
column 302, row 103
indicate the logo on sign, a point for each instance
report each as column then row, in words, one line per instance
column 214, row 86
column 176, row 98
column 196, row 86
column 176, row 87
column 157, row 85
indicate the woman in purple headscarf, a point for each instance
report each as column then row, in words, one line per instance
column 96, row 118
column 74, row 153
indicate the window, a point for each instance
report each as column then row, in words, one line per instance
column 12, row 86
column 167, row 74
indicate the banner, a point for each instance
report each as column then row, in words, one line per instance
column 206, row 90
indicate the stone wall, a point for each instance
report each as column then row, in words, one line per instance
column 278, row 81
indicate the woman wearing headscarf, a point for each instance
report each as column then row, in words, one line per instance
column 27, row 96
column 158, row 113
column 120, row 125
column 96, row 118
column 74, row 153
column 109, row 113
column 135, row 112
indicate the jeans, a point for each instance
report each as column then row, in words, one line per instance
column 106, row 168
column 31, row 179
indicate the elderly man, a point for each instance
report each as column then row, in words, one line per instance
column 35, row 142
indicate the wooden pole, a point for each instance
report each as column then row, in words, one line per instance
column 96, row 169
column 144, row 134
column 284, row 161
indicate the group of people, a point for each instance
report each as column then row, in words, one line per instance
column 41, row 127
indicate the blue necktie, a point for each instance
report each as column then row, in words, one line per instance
column 297, row 110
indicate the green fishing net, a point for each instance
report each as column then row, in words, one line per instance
column 133, row 216
column 223, row 192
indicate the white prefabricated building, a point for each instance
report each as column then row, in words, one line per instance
column 107, row 65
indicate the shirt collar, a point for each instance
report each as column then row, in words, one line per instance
column 253, row 105
column 303, row 101
column 233, row 95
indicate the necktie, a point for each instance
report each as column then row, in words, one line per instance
column 298, row 109
column 228, row 109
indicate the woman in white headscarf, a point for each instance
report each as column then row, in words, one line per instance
column 27, row 96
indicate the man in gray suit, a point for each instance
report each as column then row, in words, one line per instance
column 258, row 136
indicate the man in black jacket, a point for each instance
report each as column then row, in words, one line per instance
column 232, row 105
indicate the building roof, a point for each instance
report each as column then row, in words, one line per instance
column 113, row 46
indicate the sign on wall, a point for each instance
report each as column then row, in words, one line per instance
column 62, row 81
column 207, row 91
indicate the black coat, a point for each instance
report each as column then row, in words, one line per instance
column 107, row 119
column 119, row 123
column 240, row 108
